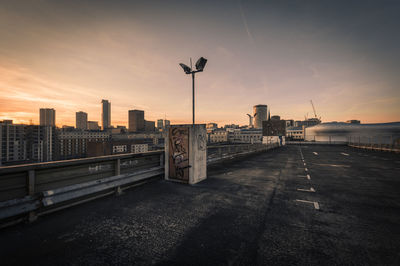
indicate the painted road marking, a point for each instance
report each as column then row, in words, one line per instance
column 333, row 165
column 308, row 177
column 304, row 164
column 316, row 153
column 306, row 190
column 306, row 169
column 345, row 154
column 301, row 175
column 316, row 204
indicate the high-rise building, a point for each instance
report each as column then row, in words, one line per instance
column 166, row 123
column 160, row 124
column 260, row 113
column 81, row 120
column 106, row 114
column 136, row 121
column 12, row 142
column 26, row 143
column 47, row 117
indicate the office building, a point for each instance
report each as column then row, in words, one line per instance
column 12, row 142
column 295, row 133
column 136, row 121
column 245, row 135
column 47, row 117
column 274, row 127
column 307, row 123
column 167, row 123
column 212, row 126
column 218, row 136
column 160, row 124
column 81, row 120
column 149, row 126
column 93, row 125
column 74, row 144
column 106, row 114
column 26, row 143
column 260, row 114
column 111, row 147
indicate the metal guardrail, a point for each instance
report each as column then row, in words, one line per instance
column 37, row 187
column 381, row 142
column 217, row 153
column 43, row 187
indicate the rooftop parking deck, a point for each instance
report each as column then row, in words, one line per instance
column 297, row 205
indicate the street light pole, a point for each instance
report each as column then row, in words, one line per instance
column 200, row 64
column 193, row 97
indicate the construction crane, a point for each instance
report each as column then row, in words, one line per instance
column 315, row 113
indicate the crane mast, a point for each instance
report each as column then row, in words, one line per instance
column 315, row 113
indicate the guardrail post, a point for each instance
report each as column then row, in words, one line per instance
column 31, row 191
column 117, row 171
column 391, row 142
column 117, row 167
column 161, row 159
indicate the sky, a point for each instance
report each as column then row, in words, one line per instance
column 69, row 55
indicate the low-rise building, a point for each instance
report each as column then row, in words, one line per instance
column 295, row 133
column 218, row 136
column 245, row 136
column 74, row 144
column 111, row 147
column 93, row 125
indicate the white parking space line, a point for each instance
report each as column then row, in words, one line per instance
column 306, row 190
column 316, row 204
column 333, row 165
column 308, row 177
column 345, row 154
column 316, row 153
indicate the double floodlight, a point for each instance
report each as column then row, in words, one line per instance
column 200, row 64
column 187, row 69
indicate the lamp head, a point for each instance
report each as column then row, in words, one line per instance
column 187, row 69
column 201, row 63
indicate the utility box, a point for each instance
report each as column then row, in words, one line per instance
column 186, row 153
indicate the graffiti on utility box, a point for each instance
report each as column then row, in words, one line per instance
column 179, row 153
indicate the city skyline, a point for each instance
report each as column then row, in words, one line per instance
column 70, row 55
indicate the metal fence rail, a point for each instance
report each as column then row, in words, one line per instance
column 44, row 187
column 221, row 152
column 30, row 187
column 370, row 142
column 379, row 143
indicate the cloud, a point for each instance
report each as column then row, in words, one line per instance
column 245, row 22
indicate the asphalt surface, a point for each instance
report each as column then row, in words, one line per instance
column 260, row 210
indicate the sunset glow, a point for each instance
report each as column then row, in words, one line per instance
column 69, row 55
